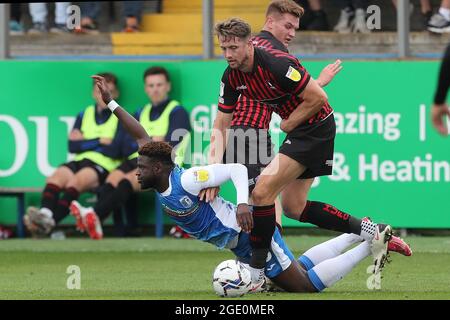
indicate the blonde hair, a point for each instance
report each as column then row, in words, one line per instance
column 233, row 27
column 285, row 6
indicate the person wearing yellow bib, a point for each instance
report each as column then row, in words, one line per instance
column 95, row 141
column 164, row 119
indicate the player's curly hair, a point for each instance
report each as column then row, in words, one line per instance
column 285, row 6
column 162, row 151
column 233, row 27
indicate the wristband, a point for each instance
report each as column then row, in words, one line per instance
column 112, row 105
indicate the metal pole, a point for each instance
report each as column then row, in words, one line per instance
column 403, row 9
column 4, row 31
column 208, row 17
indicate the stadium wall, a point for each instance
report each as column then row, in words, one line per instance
column 389, row 162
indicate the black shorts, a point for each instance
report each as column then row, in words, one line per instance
column 128, row 165
column 313, row 147
column 251, row 147
column 76, row 166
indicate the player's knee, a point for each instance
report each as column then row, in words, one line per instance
column 115, row 177
column 83, row 182
column 261, row 196
column 56, row 179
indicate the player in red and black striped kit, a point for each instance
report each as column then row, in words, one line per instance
column 274, row 79
column 282, row 20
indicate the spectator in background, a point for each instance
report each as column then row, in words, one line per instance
column 89, row 16
column 314, row 17
column 440, row 114
column 425, row 8
column 440, row 21
column 38, row 12
column 94, row 140
column 160, row 118
column 15, row 25
column 353, row 16
column 132, row 12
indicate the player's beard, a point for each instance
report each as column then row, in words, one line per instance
column 147, row 184
column 243, row 65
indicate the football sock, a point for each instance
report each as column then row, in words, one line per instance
column 114, row 200
column 328, row 272
column 261, row 234
column 50, row 196
column 328, row 217
column 105, row 195
column 62, row 208
column 327, row 250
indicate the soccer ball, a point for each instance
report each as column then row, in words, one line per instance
column 231, row 279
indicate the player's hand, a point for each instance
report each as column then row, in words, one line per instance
column 105, row 141
column 329, row 72
column 100, row 82
column 438, row 116
column 209, row 194
column 244, row 217
column 286, row 126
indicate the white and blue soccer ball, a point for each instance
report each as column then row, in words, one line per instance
column 231, row 279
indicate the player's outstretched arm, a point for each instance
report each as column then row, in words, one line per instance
column 133, row 127
column 197, row 178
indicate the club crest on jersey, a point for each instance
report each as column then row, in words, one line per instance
column 293, row 74
column 186, row 202
column 201, row 175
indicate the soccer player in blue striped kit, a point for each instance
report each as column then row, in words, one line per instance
column 216, row 222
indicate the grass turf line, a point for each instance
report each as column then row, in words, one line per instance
column 150, row 268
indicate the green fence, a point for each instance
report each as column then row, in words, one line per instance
column 389, row 163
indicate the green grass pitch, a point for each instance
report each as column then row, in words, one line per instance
column 149, row 268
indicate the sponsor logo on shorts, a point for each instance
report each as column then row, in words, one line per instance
column 329, row 163
column 288, row 141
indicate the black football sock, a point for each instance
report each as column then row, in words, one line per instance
column 50, row 196
column 328, row 217
column 116, row 198
column 261, row 234
column 105, row 194
column 62, row 208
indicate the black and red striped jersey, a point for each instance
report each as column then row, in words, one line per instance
column 274, row 84
column 266, row 40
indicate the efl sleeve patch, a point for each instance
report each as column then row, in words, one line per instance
column 293, row 74
column 201, row 176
